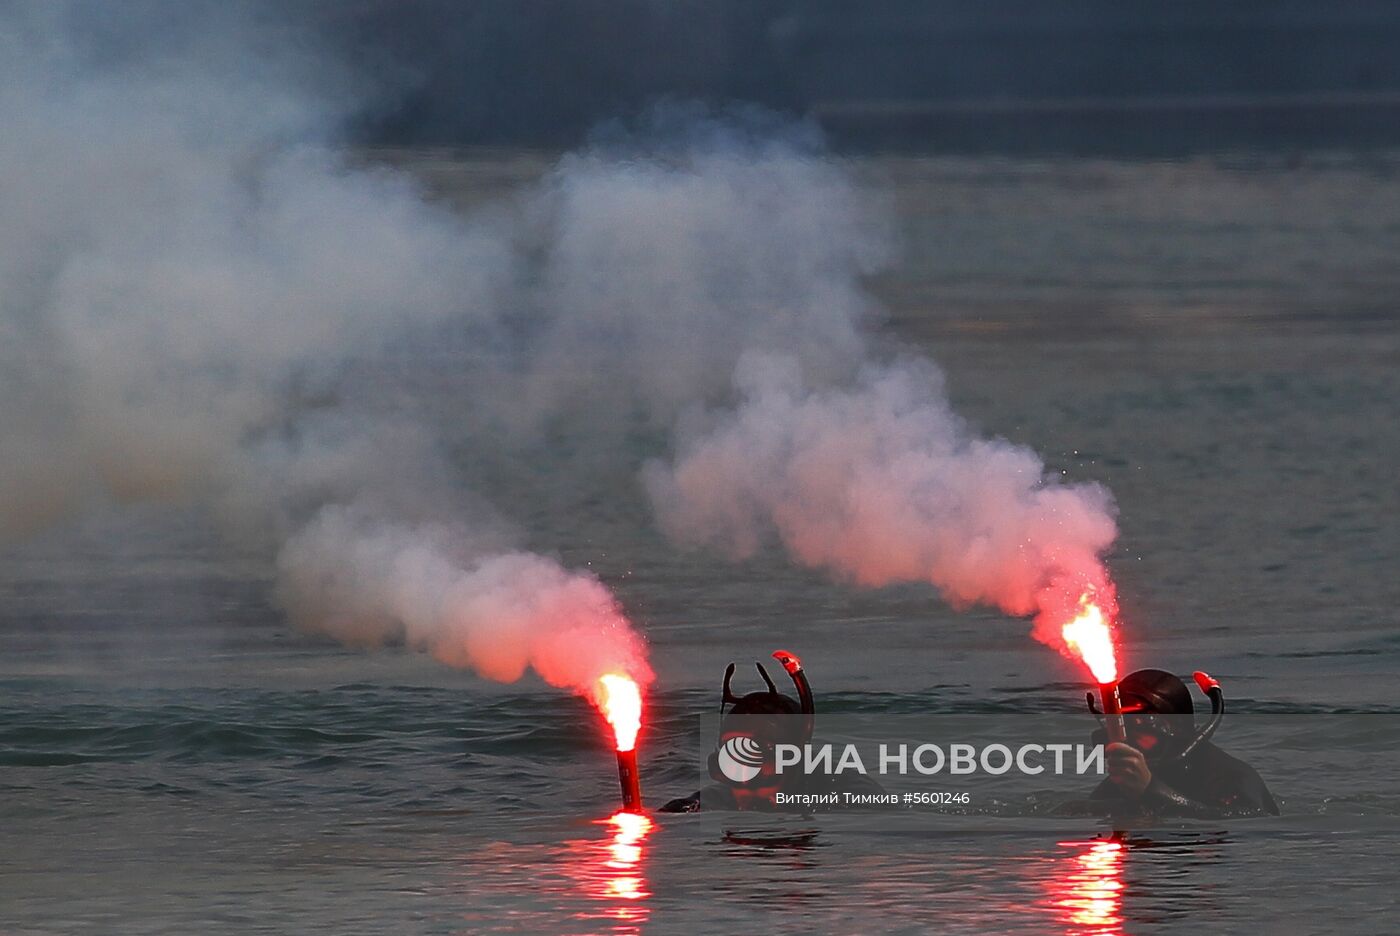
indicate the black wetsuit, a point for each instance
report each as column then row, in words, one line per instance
column 719, row 796
column 1209, row 784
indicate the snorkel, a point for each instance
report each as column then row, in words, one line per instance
column 754, row 723
column 794, row 669
column 1211, row 688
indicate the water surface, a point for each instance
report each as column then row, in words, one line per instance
column 1215, row 340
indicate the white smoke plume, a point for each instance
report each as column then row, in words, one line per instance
column 498, row 613
column 661, row 257
column 731, row 273
column 193, row 277
column 878, row 482
column 188, row 277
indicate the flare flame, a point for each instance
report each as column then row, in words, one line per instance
column 1090, row 636
column 620, row 700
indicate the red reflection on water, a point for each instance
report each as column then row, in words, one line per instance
column 1089, row 894
column 629, row 831
column 612, row 872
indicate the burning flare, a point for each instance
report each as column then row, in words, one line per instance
column 1090, row 636
column 620, row 700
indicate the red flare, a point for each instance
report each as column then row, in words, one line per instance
column 631, row 783
column 620, row 699
column 1113, row 712
column 1090, row 635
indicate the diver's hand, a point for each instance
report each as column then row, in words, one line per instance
column 1127, row 768
column 689, row 803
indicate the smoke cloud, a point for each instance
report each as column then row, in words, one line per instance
column 190, row 281
column 368, row 582
column 198, row 291
column 660, row 255
column 878, row 482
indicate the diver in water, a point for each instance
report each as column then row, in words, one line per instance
column 743, row 764
column 1168, row 767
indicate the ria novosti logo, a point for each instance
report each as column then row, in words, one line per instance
column 930, row 759
column 740, row 758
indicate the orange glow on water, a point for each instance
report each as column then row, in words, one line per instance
column 617, row 880
column 608, row 870
column 1090, row 636
column 1090, row 893
column 624, row 880
column 620, row 699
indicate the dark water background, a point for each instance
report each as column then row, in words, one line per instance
column 1216, row 339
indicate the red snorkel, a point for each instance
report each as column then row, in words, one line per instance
column 793, row 666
